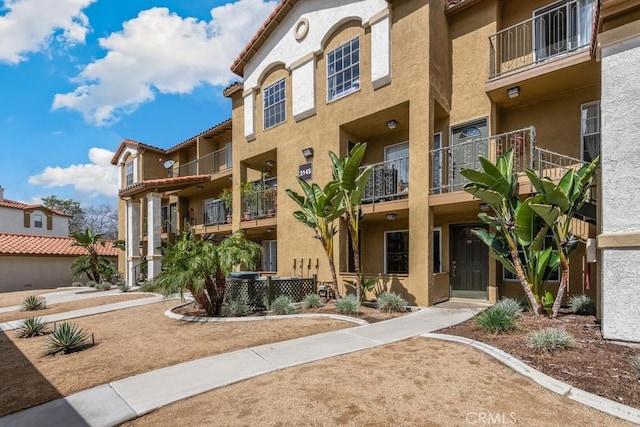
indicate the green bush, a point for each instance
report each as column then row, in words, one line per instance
column 550, row 339
column 348, row 305
column 77, row 284
column 91, row 283
column 236, row 308
column 66, row 338
column 509, row 305
column 634, row 361
column 104, row 286
column 390, row 302
column 31, row 327
column 283, row 305
column 34, row 302
column 149, row 286
column 123, row 286
column 582, row 304
column 311, row 301
column 496, row 320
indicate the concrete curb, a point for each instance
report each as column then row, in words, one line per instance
column 170, row 314
column 607, row 406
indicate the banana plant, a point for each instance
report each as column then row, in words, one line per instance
column 556, row 205
column 319, row 208
column 351, row 184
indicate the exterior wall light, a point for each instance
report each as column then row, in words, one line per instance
column 392, row 216
column 513, row 92
column 307, row 152
column 392, row 124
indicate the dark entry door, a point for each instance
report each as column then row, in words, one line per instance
column 469, row 263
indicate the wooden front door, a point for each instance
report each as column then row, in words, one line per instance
column 469, row 263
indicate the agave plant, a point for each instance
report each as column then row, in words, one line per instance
column 31, row 327
column 33, row 302
column 66, row 338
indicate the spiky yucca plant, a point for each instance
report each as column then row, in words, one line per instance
column 31, row 327
column 66, row 338
column 283, row 305
column 311, row 301
column 390, row 302
column 33, row 302
column 348, row 305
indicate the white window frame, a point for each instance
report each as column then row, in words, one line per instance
column 271, row 244
column 354, row 87
column 281, row 103
column 582, row 126
column 438, row 242
column 385, row 249
column 37, row 219
column 405, row 173
column 129, row 173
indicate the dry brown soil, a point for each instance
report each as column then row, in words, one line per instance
column 417, row 382
column 595, row 365
column 8, row 299
column 130, row 342
column 70, row 306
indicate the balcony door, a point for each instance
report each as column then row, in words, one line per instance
column 469, row 141
column 270, row 255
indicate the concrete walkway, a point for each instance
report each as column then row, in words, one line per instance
column 129, row 398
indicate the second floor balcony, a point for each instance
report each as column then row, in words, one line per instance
column 259, row 203
column 389, row 181
column 209, row 164
column 553, row 31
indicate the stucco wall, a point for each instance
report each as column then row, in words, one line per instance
column 19, row 273
column 12, row 221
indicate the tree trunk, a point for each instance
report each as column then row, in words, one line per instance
column 334, row 276
column 564, row 279
column 356, row 265
column 202, row 300
column 536, row 306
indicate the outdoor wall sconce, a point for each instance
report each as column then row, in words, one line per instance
column 199, row 187
column 270, row 164
column 392, row 124
column 307, row 152
column 270, row 230
column 392, row 216
column 513, row 92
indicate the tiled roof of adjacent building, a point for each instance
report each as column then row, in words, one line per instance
column 22, row 244
column 131, row 143
column 6, row 203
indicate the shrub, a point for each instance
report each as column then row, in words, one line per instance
column 283, row 305
column 31, row 327
column 634, row 361
column 34, row 302
column 509, row 305
column 123, row 286
column 550, row 339
column 91, row 283
column 149, row 286
column 390, row 302
column 66, row 338
column 77, row 284
column 496, row 320
column 582, row 304
column 104, row 286
column 311, row 301
column 236, row 308
column 348, row 305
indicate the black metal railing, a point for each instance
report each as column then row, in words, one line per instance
column 259, row 204
column 389, row 181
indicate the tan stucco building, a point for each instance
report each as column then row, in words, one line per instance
column 430, row 86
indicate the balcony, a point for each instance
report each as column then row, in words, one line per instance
column 258, row 204
column 464, row 155
column 553, row 32
column 210, row 164
column 389, row 181
column 215, row 213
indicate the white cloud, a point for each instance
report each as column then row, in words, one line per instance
column 31, row 25
column 161, row 52
column 94, row 178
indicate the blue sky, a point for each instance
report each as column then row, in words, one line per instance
column 78, row 76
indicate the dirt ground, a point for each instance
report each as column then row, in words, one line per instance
column 595, row 365
column 416, row 382
column 129, row 342
column 8, row 299
column 69, row 306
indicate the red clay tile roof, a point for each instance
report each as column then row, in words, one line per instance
column 131, row 143
column 216, row 130
column 162, row 183
column 22, row 244
column 23, row 206
column 232, row 88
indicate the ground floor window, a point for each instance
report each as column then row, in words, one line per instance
column 270, row 255
column 396, row 249
column 437, row 250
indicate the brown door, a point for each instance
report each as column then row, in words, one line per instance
column 469, row 263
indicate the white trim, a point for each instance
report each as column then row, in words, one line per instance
column 385, row 249
column 284, row 102
column 439, row 229
column 386, row 147
column 582, row 135
column 326, row 55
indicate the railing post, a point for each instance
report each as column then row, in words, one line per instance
column 269, row 293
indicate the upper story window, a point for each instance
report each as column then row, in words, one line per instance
column 37, row 221
column 343, row 70
column 129, row 170
column 274, row 98
column 590, row 130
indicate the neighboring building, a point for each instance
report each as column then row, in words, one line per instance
column 40, row 262
column 430, row 86
column 20, row 218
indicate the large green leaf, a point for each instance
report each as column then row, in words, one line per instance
column 535, row 180
column 491, row 169
column 525, row 223
column 566, row 183
column 361, row 185
column 490, row 197
column 548, row 213
column 351, row 166
column 497, row 248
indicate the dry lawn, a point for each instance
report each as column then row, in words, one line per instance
column 8, row 299
column 417, row 382
column 130, row 342
column 70, row 306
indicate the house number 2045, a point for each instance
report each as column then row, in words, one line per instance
column 304, row 171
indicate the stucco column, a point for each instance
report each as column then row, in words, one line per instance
column 619, row 241
column 154, row 228
column 132, row 249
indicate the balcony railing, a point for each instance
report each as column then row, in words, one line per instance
column 216, row 213
column 551, row 32
column 389, row 181
column 465, row 154
column 554, row 165
column 209, row 164
column 259, row 204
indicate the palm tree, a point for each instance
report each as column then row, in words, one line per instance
column 319, row 210
column 200, row 267
column 92, row 264
column 352, row 183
